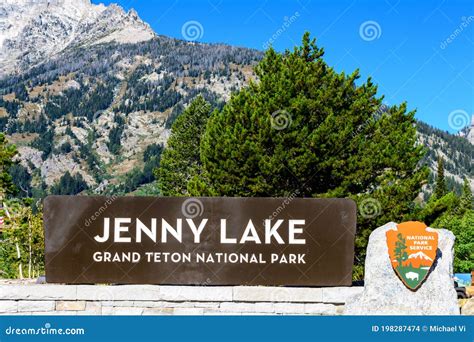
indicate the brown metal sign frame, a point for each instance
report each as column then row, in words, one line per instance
column 199, row 241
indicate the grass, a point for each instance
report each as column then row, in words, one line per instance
column 402, row 270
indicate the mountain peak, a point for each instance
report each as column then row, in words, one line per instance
column 33, row 31
column 133, row 14
column 115, row 8
column 419, row 255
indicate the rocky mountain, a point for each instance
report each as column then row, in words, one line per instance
column 457, row 152
column 468, row 132
column 418, row 260
column 88, row 93
column 419, row 255
column 33, row 31
column 90, row 106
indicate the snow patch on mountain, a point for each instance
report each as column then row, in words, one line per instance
column 32, row 31
column 419, row 255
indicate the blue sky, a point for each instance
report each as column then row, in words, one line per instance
column 404, row 46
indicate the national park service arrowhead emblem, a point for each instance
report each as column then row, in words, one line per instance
column 412, row 251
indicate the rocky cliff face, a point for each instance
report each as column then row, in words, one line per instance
column 468, row 132
column 33, row 31
column 456, row 151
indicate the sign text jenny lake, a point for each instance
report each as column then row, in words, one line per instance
column 202, row 241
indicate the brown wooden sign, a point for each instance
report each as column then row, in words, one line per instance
column 202, row 241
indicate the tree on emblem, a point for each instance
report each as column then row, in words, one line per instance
column 400, row 249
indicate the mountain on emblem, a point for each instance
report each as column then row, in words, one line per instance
column 412, row 251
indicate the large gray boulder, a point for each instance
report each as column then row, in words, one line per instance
column 385, row 294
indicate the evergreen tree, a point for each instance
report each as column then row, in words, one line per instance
column 7, row 152
column 303, row 127
column 437, row 207
column 400, row 250
column 440, row 187
column 180, row 160
column 45, row 143
column 137, row 177
column 69, row 185
column 65, row 148
column 22, row 179
column 457, row 215
column 115, row 135
column 462, row 226
column 465, row 201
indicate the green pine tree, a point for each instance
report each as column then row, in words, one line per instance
column 440, row 186
column 465, row 201
column 400, row 250
column 180, row 161
column 462, row 226
column 437, row 207
column 7, row 152
column 304, row 128
column 69, row 185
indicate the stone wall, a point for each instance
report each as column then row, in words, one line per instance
column 48, row 299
